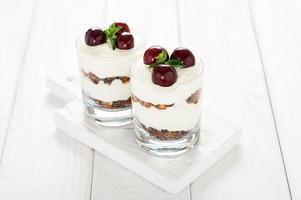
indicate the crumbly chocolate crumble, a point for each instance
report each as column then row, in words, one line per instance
column 148, row 104
column 165, row 134
column 114, row 104
column 194, row 98
column 95, row 79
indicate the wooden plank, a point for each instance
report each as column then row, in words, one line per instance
column 112, row 181
column 157, row 20
column 14, row 20
column 39, row 162
column 234, row 86
column 277, row 25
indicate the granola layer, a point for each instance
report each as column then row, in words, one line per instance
column 114, row 104
column 192, row 99
column 148, row 104
column 164, row 134
column 95, row 79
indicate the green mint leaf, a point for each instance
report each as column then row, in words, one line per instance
column 161, row 57
column 113, row 42
column 175, row 63
column 113, row 29
column 111, row 34
column 153, row 65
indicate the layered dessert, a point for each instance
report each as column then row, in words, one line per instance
column 166, row 96
column 105, row 57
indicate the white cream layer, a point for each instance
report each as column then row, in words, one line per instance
column 114, row 92
column 189, row 80
column 104, row 62
column 183, row 117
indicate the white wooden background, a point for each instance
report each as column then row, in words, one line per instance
column 252, row 52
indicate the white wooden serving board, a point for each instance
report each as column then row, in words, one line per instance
column 218, row 137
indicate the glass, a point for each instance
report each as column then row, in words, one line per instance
column 167, row 119
column 104, row 75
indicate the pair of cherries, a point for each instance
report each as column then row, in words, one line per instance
column 118, row 33
column 164, row 73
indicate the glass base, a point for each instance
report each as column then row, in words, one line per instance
column 168, row 147
column 107, row 117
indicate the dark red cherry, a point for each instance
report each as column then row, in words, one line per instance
column 95, row 36
column 125, row 41
column 164, row 75
column 125, row 27
column 151, row 55
column 184, row 55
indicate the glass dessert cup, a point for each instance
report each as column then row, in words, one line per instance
column 104, row 75
column 167, row 119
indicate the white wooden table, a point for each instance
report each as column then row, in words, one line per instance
column 252, row 52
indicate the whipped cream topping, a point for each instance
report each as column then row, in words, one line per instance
column 189, row 80
column 104, row 62
column 105, row 51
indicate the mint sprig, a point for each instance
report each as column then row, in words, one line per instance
column 175, row 63
column 111, row 34
column 161, row 57
column 154, row 65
